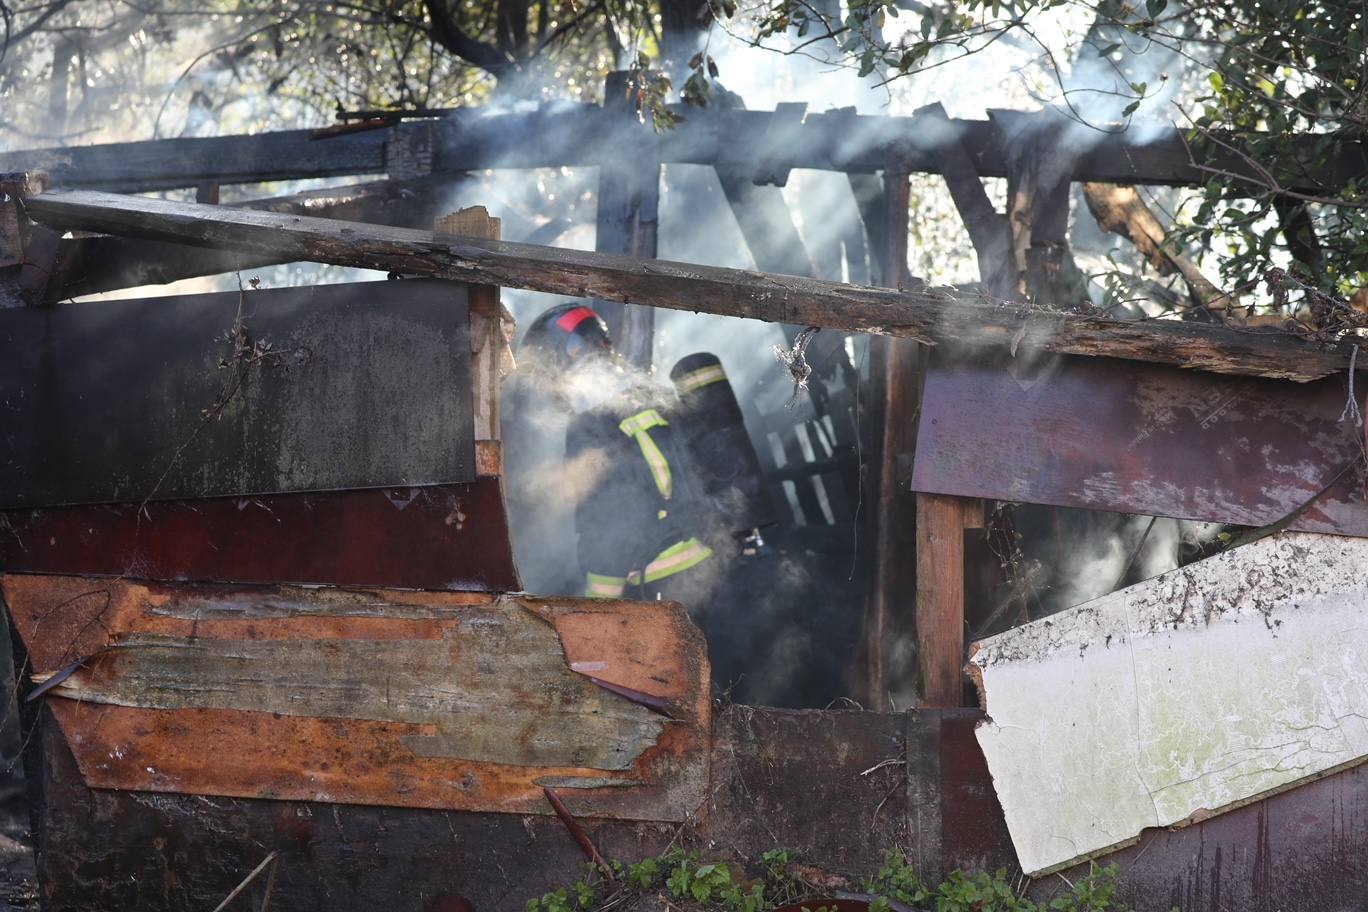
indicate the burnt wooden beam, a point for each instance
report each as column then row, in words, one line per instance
column 89, row 265
column 571, row 135
column 927, row 314
column 166, row 164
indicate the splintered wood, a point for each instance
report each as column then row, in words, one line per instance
column 444, row 700
column 1177, row 698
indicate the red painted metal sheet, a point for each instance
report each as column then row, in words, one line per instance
column 443, row 537
column 1128, row 437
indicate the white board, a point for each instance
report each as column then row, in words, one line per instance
column 1191, row 693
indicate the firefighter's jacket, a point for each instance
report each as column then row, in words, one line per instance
column 640, row 516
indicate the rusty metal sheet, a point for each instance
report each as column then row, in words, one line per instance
column 292, row 389
column 458, row 701
column 1140, row 438
column 440, row 537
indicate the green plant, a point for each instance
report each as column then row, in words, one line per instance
column 643, row 873
column 896, row 879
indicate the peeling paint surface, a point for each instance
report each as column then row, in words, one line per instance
column 1179, row 697
column 405, row 698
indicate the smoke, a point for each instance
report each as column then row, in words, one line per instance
column 1073, row 556
column 789, row 625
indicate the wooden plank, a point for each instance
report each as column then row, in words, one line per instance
column 460, row 701
column 252, row 392
column 940, row 600
column 1172, row 700
column 925, row 314
column 1134, row 438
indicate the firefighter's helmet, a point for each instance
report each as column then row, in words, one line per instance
column 568, row 334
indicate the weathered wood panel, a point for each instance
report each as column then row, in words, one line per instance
column 1137, row 438
column 1179, row 697
column 344, row 386
column 926, row 314
column 413, row 699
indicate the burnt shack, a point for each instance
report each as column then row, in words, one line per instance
column 272, row 644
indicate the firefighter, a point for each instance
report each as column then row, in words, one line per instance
column 642, row 526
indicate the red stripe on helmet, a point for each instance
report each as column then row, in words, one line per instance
column 571, row 319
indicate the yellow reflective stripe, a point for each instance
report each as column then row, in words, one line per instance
column 597, row 585
column 701, row 377
column 660, row 468
column 637, row 426
column 677, row 558
column 641, row 421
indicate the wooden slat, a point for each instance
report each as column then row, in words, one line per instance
column 925, row 314
column 413, row 699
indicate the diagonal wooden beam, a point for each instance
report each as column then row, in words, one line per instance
column 88, row 265
column 929, row 315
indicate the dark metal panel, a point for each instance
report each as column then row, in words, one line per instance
column 296, row 389
column 441, row 537
column 1305, row 850
column 826, row 784
column 1142, row 438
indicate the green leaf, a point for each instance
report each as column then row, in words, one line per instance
column 1155, row 7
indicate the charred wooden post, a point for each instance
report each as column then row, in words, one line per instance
column 1039, row 174
column 898, row 373
column 628, row 213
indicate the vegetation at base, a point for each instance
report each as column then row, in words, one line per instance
column 686, row 879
